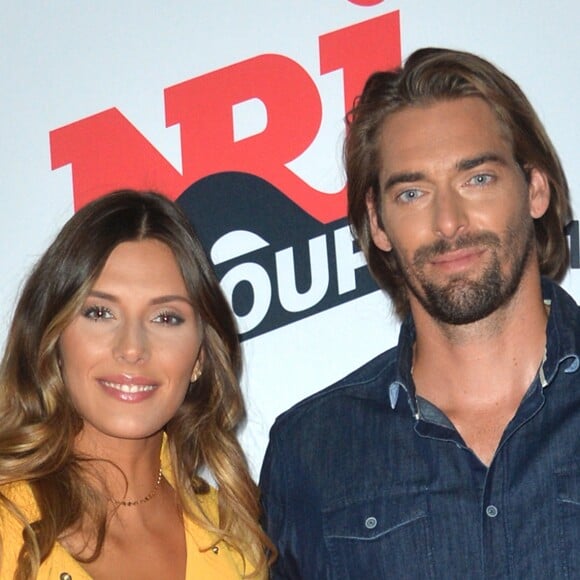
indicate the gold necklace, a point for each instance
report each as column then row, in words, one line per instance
column 150, row 495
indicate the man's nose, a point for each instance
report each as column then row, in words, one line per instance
column 449, row 217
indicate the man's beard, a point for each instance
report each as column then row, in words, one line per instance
column 462, row 300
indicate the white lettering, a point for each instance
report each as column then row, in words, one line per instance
column 347, row 261
column 290, row 298
column 257, row 277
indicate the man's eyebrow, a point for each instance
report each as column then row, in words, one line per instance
column 403, row 177
column 466, row 164
column 463, row 165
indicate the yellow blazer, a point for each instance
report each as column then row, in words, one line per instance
column 222, row 563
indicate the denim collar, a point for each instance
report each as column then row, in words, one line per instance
column 563, row 340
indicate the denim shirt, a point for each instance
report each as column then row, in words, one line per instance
column 366, row 481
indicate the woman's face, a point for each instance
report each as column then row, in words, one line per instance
column 130, row 353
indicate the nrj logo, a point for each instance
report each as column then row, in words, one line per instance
column 276, row 263
column 280, row 246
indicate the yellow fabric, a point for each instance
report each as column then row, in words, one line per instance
column 221, row 564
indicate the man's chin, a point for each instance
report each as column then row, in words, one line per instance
column 460, row 301
column 455, row 285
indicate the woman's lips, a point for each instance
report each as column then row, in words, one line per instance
column 129, row 388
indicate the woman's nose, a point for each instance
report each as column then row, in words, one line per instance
column 131, row 344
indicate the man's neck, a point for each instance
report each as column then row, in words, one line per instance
column 477, row 374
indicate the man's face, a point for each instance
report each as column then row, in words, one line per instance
column 455, row 208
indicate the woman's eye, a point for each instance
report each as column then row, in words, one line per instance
column 169, row 318
column 97, row 313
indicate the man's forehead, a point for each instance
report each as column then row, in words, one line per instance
column 450, row 132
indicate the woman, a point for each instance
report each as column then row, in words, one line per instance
column 118, row 387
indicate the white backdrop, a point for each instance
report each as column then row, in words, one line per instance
column 66, row 60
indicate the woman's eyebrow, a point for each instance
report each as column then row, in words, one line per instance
column 155, row 301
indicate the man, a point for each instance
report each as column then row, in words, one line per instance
column 457, row 453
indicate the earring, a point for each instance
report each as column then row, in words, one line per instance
column 197, row 369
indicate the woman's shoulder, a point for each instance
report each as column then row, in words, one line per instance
column 216, row 557
column 17, row 502
column 17, row 498
column 209, row 503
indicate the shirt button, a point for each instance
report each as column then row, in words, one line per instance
column 491, row 511
column 371, row 523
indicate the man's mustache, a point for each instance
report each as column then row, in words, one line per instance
column 427, row 253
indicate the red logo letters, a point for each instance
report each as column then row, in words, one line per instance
column 106, row 151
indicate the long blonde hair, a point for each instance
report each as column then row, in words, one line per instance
column 39, row 423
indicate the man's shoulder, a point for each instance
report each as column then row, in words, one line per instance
column 369, row 382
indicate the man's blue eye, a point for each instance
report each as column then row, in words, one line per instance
column 409, row 195
column 481, row 179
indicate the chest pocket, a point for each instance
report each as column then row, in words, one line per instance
column 568, row 507
column 387, row 536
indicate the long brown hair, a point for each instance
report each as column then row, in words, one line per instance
column 430, row 75
column 39, row 423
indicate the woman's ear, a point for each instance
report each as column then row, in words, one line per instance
column 198, row 368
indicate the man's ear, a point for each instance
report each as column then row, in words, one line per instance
column 378, row 234
column 538, row 193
